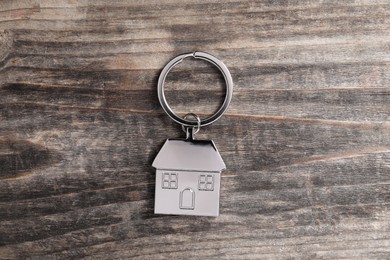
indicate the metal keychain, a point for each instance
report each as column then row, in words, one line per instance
column 188, row 171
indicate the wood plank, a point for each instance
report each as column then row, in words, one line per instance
column 306, row 139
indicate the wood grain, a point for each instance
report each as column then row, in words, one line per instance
column 306, row 139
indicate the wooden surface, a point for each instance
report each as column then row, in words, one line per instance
column 306, row 139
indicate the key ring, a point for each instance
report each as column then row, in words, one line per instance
column 203, row 56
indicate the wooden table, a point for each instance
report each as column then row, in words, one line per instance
column 306, row 139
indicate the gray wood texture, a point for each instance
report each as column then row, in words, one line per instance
column 306, row 139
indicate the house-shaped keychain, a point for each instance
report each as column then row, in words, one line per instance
column 188, row 171
column 188, row 177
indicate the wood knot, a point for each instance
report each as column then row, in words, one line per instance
column 21, row 156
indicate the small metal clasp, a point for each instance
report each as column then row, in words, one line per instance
column 191, row 130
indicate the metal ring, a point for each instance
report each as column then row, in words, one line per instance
column 196, row 128
column 203, row 56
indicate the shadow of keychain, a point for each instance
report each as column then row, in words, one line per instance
column 188, row 171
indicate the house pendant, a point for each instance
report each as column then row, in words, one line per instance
column 188, row 177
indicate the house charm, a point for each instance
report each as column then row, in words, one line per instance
column 188, row 177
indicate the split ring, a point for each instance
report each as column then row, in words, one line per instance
column 203, row 56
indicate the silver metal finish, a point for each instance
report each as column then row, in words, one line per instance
column 187, row 199
column 189, row 155
column 203, row 56
column 191, row 130
column 188, row 172
column 188, row 177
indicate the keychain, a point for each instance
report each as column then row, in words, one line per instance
column 188, row 171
